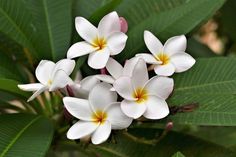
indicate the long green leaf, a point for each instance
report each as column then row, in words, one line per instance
column 173, row 142
column 212, row 84
column 164, row 21
column 24, row 135
column 16, row 22
column 178, row 154
column 52, row 22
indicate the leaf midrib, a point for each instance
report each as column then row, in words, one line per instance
column 49, row 28
column 13, row 141
column 203, row 85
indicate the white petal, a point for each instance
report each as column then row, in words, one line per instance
column 164, row 70
column 89, row 82
column 109, row 24
column 124, row 87
column 81, row 129
column 114, row 68
column 116, row 42
column 175, row 44
column 80, row 49
column 140, row 74
column 182, row 61
column 101, row 96
column 117, row 118
column 85, row 29
column 38, row 92
column 148, row 58
column 105, row 78
column 129, row 66
column 153, row 43
column 79, row 108
column 44, row 70
column 67, row 65
column 160, row 86
column 98, row 59
column 30, row 87
column 133, row 109
column 60, row 80
column 157, row 108
column 102, row 133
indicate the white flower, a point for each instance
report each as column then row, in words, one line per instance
column 98, row 115
column 82, row 88
column 99, row 42
column 142, row 96
column 51, row 76
column 172, row 55
column 116, row 70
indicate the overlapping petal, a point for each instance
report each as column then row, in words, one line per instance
column 116, row 42
column 133, row 109
column 80, row 49
column 164, row 70
column 153, row 43
column 102, row 133
column 98, row 59
column 175, row 45
column 44, row 70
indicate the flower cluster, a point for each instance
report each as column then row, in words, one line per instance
column 95, row 98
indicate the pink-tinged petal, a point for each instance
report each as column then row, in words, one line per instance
column 140, row 74
column 98, row 59
column 30, row 87
column 79, row 108
column 182, row 61
column 44, row 71
column 102, row 133
column 109, row 24
column 60, row 80
column 123, row 25
column 67, row 65
column 114, row 68
column 164, row 70
column 85, row 29
column 80, row 49
column 117, row 118
column 116, row 42
column 153, row 43
column 175, row 45
column 160, row 86
column 148, row 58
column 133, row 109
column 81, row 129
column 37, row 93
column 129, row 66
column 157, row 108
column 106, row 78
column 101, row 97
column 124, row 88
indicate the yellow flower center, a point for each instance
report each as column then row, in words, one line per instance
column 163, row 57
column 99, row 117
column 99, row 43
column 141, row 95
column 49, row 82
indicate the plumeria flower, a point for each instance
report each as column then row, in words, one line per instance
column 143, row 96
column 116, row 70
column 82, row 88
column 98, row 115
column 172, row 55
column 99, row 42
column 51, row 76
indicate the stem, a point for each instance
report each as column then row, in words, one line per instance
column 139, row 140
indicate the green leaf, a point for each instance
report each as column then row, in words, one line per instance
column 170, row 144
column 24, row 135
column 53, row 25
column 10, row 86
column 16, row 22
column 212, row 84
column 178, row 154
column 168, row 19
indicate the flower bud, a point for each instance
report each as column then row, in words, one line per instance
column 123, row 25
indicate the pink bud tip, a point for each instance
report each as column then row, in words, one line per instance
column 123, row 25
column 103, row 71
column 169, row 126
